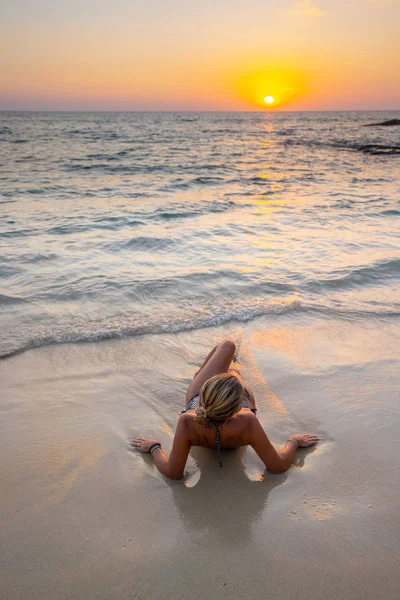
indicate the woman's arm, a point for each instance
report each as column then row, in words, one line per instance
column 277, row 461
column 174, row 465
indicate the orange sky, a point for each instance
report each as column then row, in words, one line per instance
column 183, row 55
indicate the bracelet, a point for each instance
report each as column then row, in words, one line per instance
column 154, row 447
column 293, row 442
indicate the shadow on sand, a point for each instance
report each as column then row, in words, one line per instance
column 225, row 503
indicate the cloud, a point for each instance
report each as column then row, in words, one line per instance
column 305, row 9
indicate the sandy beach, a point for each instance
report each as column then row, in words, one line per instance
column 83, row 516
column 173, row 175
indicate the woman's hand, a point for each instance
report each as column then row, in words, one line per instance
column 142, row 444
column 303, row 441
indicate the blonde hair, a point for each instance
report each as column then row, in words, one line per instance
column 220, row 398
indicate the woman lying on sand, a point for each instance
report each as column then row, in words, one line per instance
column 220, row 412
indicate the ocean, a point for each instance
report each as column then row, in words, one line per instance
column 124, row 224
column 164, row 234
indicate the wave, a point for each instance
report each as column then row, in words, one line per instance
column 41, row 257
column 181, row 184
column 19, row 233
column 275, row 309
column 236, row 283
column 189, row 324
column 108, row 166
column 79, row 131
column 390, row 212
column 201, row 279
column 229, row 131
column 170, row 289
column 144, row 244
column 207, row 180
column 120, row 169
column 181, row 211
column 187, row 211
column 7, row 300
column 94, row 135
column 103, row 156
column 375, row 273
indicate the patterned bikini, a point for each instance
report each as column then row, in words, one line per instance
column 194, row 403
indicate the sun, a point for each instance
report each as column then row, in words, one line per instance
column 270, row 90
column 269, row 99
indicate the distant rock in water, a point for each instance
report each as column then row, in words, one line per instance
column 379, row 149
column 390, row 123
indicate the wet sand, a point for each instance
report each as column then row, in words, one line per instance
column 83, row 516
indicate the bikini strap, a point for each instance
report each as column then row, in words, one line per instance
column 218, row 444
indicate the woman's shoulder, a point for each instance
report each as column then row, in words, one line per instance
column 244, row 416
column 186, row 418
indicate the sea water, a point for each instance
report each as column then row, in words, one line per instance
column 122, row 224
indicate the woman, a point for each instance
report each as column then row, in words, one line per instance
column 220, row 412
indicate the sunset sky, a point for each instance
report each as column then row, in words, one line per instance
column 208, row 55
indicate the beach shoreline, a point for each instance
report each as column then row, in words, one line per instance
column 84, row 516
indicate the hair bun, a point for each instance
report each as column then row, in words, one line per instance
column 201, row 415
column 201, row 412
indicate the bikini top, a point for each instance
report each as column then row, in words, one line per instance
column 217, row 442
column 217, row 438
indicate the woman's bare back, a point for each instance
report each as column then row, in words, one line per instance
column 233, row 433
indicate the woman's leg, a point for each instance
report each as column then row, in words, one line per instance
column 218, row 361
column 205, row 361
column 248, row 394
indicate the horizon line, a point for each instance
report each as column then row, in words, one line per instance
column 269, row 112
